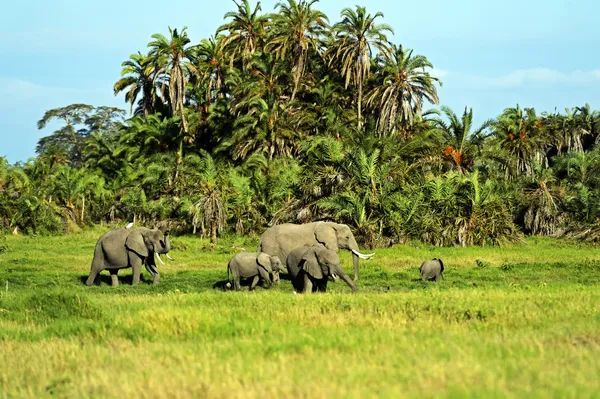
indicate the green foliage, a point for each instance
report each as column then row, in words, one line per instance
column 292, row 117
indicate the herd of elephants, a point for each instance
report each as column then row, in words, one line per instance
column 308, row 252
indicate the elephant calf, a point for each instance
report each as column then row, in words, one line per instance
column 311, row 266
column 251, row 265
column 432, row 270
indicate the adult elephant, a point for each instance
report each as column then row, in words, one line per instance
column 282, row 239
column 123, row 248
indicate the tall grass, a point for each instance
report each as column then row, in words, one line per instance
column 517, row 321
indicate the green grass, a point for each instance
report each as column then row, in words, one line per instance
column 518, row 321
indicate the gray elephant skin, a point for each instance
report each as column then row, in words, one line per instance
column 432, row 270
column 129, row 248
column 311, row 266
column 251, row 265
column 282, row 239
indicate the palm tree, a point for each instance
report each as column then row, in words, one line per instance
column 402, row 85
column 544, row 201
column 138, row 77
column 589, row 121
column 212, row 190
column 460, row 143
column 356, row 36
column 518, row 134
column 212, row 68
column 174, row 57
column 297, row 29
column 246, row 30
column 261, row 124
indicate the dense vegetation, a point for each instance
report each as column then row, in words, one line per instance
column 292, row 117
column 513, row 321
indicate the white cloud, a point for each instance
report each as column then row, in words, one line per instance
column 437, row 73
column 13, row 88
column 538, row 76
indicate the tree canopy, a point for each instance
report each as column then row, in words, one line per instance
column 296, row 116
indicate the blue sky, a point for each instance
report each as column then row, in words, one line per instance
column 489, row 54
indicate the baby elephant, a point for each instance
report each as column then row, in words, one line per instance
column 311, row 266
column 251, row 265
column 432, row 270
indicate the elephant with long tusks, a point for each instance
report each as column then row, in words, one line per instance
column 282, row 239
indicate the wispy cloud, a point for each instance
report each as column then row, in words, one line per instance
column 538, row 76
column 437, row 73
column 15, row 90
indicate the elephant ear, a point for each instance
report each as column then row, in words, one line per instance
column 311, row 265
column 441, row 265
column 264, row 261
column 325, row 234
column 135, row 242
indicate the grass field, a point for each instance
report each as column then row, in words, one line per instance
column 518, row 321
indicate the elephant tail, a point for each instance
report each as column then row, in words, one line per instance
column 228, row 284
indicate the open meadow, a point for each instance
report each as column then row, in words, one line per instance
column 516, row 321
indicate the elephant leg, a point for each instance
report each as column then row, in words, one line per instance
column 308, row 285
column 265, row 276
column 114, row 277
column 236, row 282
column 94, row 278
column 136, row 266
column 322, row 286
column 254, row 282
column 97, row 267
column 156, row 278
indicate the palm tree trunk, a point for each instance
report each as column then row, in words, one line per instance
column 359, row 105
column 213, row 232
column 82, row 208
column 179, row 158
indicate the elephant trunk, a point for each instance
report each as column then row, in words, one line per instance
column 167, row 247
column 342, row 274
column 167, row 243
column 353, row 246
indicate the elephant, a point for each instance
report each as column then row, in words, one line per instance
column 250, row 265
column 432, row 270
column 126, row 247
column 282, row 239
column 311, row 266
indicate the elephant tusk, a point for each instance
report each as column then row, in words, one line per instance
column 362, row 256
column 168, row 257
column 159, row 259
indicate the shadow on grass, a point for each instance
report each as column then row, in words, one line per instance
column 125, row 279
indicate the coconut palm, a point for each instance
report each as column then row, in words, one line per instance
column 297, row 29
column 401, row 87
column 356, row 35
